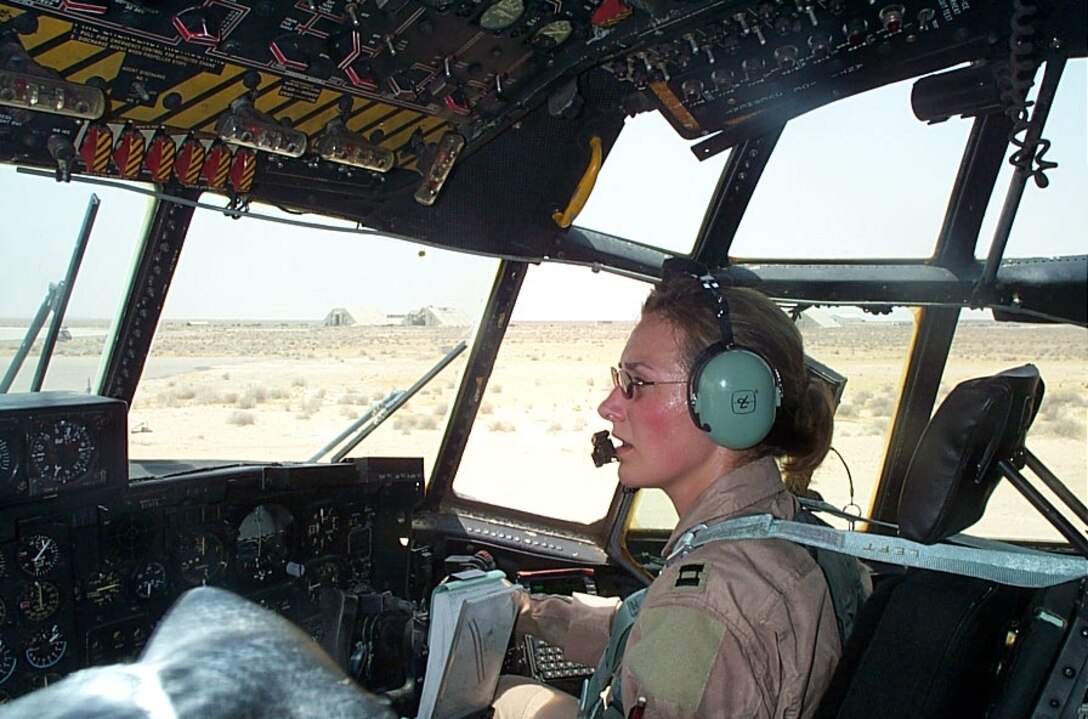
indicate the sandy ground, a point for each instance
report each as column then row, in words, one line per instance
column 281, row 392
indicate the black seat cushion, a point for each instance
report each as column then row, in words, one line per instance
column 936, row 642
column 953, row 470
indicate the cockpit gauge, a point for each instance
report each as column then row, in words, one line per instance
column 46, row 647
column 501, row 14
column 130, row 537
column 7, row 661
column 37, row 555
column 7, row 461
column 261, row 549
column 39, row 600
column 552, row 34
column 103, row 587
column 149, row 581
column 201, row 558
column 61, row 453
column 322, row 529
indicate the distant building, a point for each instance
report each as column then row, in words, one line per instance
column 817, row 318
column 436, row 317
column 362, row 316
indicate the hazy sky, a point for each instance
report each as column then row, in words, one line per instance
column 890, row 191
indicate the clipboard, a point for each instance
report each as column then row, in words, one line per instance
column 471, row 620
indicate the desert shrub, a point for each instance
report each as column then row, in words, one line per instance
column 185, row 392
column 348, row 412
column 257, row 394
column 441, row 409
column 206, row 396
column 349, row 398
column 555, row 427
column 882, row 405
column 298, row 382
column 496, row 388
column 311, row 405
column 847, row 410
column 428, row 422
column 241, row 419
column 226, row 375
column 1065, row 427
column 486, row 408
column 245, row 402
column 499, row 425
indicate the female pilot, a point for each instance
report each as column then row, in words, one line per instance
column 733, row 628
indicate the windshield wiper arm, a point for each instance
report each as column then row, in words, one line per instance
column 56, row 299
column 374, row 417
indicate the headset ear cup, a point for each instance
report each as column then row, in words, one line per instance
column 733, row 395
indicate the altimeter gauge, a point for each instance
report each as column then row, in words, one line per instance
column 37, row 555
column 61, row 453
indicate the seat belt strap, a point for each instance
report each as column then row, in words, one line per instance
column 997, row 562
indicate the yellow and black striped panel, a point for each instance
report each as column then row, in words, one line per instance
column 163, row 83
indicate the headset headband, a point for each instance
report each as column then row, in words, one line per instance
column 689, row 268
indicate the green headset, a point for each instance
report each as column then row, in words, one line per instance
column 733, row 392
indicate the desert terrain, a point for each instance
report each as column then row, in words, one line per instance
column 282, row 391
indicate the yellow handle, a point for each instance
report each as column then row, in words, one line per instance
column 585, row 186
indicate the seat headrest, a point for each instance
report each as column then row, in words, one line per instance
column 954, row 469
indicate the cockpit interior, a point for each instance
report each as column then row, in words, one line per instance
column 453, row 161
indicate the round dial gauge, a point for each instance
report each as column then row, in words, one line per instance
column 501, row 14
column 260, row 541
column 37, row 555
column 7, row 662
column 103, row 587
column 201, row 558
column 322, row 529
column 7, row 461
column 150, row 581
column 46, row 647
column 39, row 600
column 552, row 34
column 61, row 453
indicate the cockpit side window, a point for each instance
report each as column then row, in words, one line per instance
column 539, row 410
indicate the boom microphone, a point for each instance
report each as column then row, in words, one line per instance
column 603, row 449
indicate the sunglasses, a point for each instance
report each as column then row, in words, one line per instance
column 622, row 378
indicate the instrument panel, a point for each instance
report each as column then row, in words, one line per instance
column 88, row 569
column 222, row 94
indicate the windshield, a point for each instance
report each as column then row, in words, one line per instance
column 275, row 338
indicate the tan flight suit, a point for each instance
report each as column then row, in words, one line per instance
column 733, row 629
